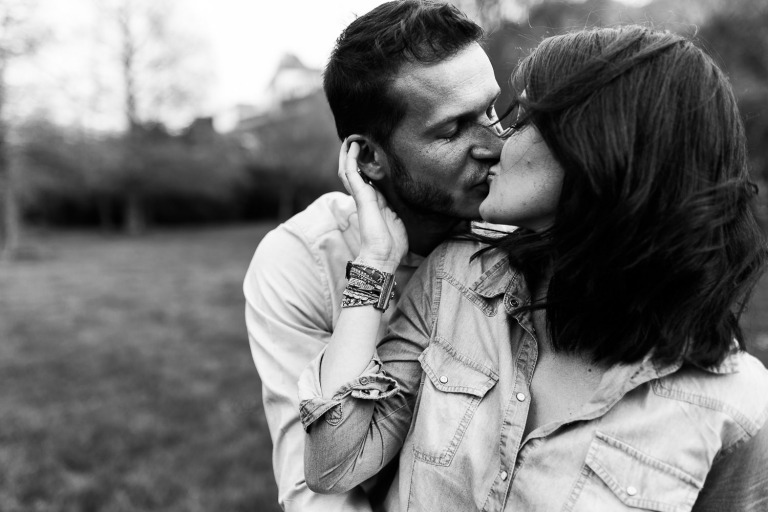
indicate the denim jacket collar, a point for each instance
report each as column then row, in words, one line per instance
column 621, row 379
column 495, row 281
column 502, row 279
column 728, row 365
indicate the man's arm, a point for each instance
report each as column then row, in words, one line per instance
column 288, row 316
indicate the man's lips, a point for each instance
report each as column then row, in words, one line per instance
column 482, row 182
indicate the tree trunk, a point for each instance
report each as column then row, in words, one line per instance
column 105, row 213
column 135, row 215
column 11, row 220
column 285, row 204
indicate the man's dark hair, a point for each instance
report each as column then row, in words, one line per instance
column 370, row 51
column 655, row 247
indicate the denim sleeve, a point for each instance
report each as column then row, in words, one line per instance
column 372, row 384
column 353, row 436
column 738, row 479
column 288, row 326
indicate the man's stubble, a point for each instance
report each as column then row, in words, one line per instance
column 422, row 198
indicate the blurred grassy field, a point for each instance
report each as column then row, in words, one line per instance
column 127, row 381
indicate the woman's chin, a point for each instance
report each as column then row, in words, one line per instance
column 492, row 216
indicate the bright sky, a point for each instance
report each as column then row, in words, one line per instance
column 242, row 44
column 248, row 38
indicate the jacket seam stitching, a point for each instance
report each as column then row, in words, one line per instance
column 468, row 361
column 706, row 402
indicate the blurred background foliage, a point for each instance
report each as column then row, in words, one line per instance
column 272, row 160
column 124, row 364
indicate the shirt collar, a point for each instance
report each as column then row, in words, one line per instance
column 620, row 379
column 498, row 278
column 730, row 364
column 501, row 278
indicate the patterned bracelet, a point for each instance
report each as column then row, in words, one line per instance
column 368, row 286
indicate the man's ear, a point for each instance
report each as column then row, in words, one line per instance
column 372, row 160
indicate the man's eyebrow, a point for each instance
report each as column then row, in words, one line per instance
column 466, row 115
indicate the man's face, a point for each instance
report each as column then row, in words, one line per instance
column 443, row 148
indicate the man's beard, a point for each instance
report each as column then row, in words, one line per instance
column 422, row 198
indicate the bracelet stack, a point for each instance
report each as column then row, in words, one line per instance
column 367, row 286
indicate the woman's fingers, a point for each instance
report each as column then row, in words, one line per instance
column 358, row 187
column 350, row 168
column 380, row 200
column 350, row 175
column 343, row 155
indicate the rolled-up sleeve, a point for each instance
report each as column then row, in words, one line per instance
column 372, row 384
column 355, row 433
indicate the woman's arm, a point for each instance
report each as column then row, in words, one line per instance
column 738, row 479
column 355, row 411
column 384, row 242
column 364, row 425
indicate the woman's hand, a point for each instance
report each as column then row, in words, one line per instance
column 384, row 240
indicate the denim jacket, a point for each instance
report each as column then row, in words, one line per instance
column 449, row 385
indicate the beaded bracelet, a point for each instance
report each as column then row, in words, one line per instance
column 367, row 286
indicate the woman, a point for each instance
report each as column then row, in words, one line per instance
column 592, row 360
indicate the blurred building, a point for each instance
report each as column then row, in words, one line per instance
column 292, row 82
column 289, row 139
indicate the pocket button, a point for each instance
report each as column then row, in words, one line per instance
column 443, row 379
column 631, row 490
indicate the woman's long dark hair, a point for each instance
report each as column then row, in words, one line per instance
column 655, row 247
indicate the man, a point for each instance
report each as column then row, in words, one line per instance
column 411, row 82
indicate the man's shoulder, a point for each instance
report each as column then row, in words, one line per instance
column 326, row 232
column 331, row 212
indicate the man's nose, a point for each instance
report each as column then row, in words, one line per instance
column 489, row 145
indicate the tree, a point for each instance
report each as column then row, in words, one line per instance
column 67, row 166
column 19, row 37
column 158, row 86
column 295, row 148
column 737, row 39
column 491, row 14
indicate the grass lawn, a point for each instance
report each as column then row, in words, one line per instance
column 127, row 381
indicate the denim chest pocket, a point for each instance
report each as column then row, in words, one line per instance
column 452, row 389
column 617, row 477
